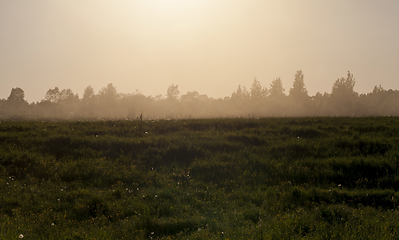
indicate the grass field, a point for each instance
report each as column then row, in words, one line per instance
column 271, row 178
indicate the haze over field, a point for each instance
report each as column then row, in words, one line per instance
column 210, row 46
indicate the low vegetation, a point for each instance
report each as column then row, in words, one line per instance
column 271, row 178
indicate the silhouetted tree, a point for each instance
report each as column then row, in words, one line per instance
column 88, row 93
column 135, row 104
column 344, row 87
column 240, row 94
column 192, row 103
column 277, row 102
column 391, row 105
column 258, row 101
column 3, row 110
column 16, row 105
column 59, row 103
column 298, row 96
column 173, row 92
column 238, row 102
column 68, row 102
column 88, row 103
column 276, row 88
column 52, row 95
column 171, row 106
column 378, row 89
column 257, row 91
column 108, row 101
column 317, row 104
column 298, row 90
column 189, row 96
column 17, row 96
column 108, row 93
column 67, row 95
column 381, row 102
column 343, row 96
column 375, row 100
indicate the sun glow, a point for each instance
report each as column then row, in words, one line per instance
column 171, row 19
column 173, row 6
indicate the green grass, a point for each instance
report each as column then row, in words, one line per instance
column 271, row 178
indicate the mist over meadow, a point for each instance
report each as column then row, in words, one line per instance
column 249, row 102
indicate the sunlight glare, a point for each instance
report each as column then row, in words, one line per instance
column 173, row 6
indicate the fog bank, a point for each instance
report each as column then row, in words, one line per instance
column 254, row 101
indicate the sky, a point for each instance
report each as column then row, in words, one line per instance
column 210, row 46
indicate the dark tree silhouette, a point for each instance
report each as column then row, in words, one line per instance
column 255, row 102
column 343, row 96
column 108, row 93
column 257, row 91
column 67, row 95
column 88, row 93
column 173, row 92
column 240, row 94
column 189, row 96
column 344, row 87
column 15, row 106
column 298, row 96
column 108, row 101
column 298, row 90
column 88, row 103
column 52, row 95
column 17, row 96
column 276, row 88
column 193, row 103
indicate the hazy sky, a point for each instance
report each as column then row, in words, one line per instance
column 210, row 46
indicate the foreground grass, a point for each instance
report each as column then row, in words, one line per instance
column 289, row 178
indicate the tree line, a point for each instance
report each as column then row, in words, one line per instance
column 257, row 101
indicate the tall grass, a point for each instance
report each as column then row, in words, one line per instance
column 271, row 178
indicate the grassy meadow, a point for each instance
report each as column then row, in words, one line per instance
column 271, row 178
